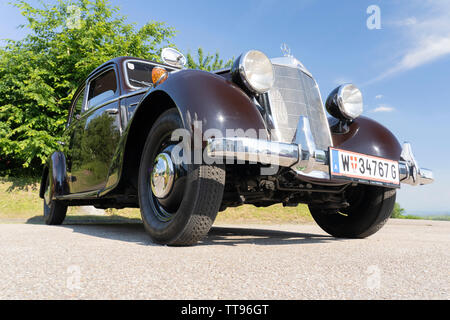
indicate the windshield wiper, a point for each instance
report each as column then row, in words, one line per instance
column 145, row 83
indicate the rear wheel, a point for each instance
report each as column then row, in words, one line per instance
column 370, row 208
column 54, row 211
column 179, row 202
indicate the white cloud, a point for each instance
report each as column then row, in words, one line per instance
column 380, row 96
column 406, row 22
column 429, row 49
column 383, row 108
column 427, row 37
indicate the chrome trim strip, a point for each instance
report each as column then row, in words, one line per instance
column 104, row 104
column 274, row 133
column 134, row 93
column 312, row 159
column 324, row 111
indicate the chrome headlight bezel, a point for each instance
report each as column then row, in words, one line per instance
column 345, row 102
column 256, row 81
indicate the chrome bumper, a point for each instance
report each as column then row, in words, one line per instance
column 303, row 158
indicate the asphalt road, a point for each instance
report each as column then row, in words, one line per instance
column 405, row 260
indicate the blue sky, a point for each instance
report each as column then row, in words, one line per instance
column 403, row 69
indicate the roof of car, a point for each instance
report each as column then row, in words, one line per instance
column 120, row 60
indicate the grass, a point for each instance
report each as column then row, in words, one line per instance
column 439, row 217
column 272, row 214
column 19, row 199
column 246, row 214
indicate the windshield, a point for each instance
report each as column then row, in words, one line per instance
column 139, row 73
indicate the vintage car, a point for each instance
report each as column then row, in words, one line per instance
column 183, row 145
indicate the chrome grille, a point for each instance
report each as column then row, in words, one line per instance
column 296, row 94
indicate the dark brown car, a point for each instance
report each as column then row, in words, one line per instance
column 184, row 144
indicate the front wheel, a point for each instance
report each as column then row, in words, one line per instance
column 179, row 202
column 370, row 208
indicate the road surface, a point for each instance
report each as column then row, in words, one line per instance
column 406, row 260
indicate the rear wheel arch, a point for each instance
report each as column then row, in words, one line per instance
column 56, row 171
column 43, row 181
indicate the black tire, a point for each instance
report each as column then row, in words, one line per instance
column 200, row 199
column 54, row 211
column 370, row 208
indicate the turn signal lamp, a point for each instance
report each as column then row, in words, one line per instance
column 159, row 75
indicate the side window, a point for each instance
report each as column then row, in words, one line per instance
column 140, row 74
column 102, row 88
column 77, row 106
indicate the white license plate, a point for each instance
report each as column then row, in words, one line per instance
column 363, row 168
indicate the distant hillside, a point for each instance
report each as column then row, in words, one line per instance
column 434, row 215
column 429, row 213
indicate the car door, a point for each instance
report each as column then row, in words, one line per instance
column 72, row 135
column 98, row 133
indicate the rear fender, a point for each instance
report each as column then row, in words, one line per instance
column 57, row 173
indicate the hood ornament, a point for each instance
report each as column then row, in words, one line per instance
column 286, row 50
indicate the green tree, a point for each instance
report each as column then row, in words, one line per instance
column 39, row 74
column 207, row 62
column 398, row 212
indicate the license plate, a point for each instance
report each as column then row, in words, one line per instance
column 363, row 168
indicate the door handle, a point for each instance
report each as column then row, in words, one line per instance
column 112, row 111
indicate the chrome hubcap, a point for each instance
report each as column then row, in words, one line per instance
column 163, row 176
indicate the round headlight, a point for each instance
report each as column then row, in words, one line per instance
column 345, row 102
column 255, row 71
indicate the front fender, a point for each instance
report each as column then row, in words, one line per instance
column 198, row 96
column 369, row 137
column 211, row 99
